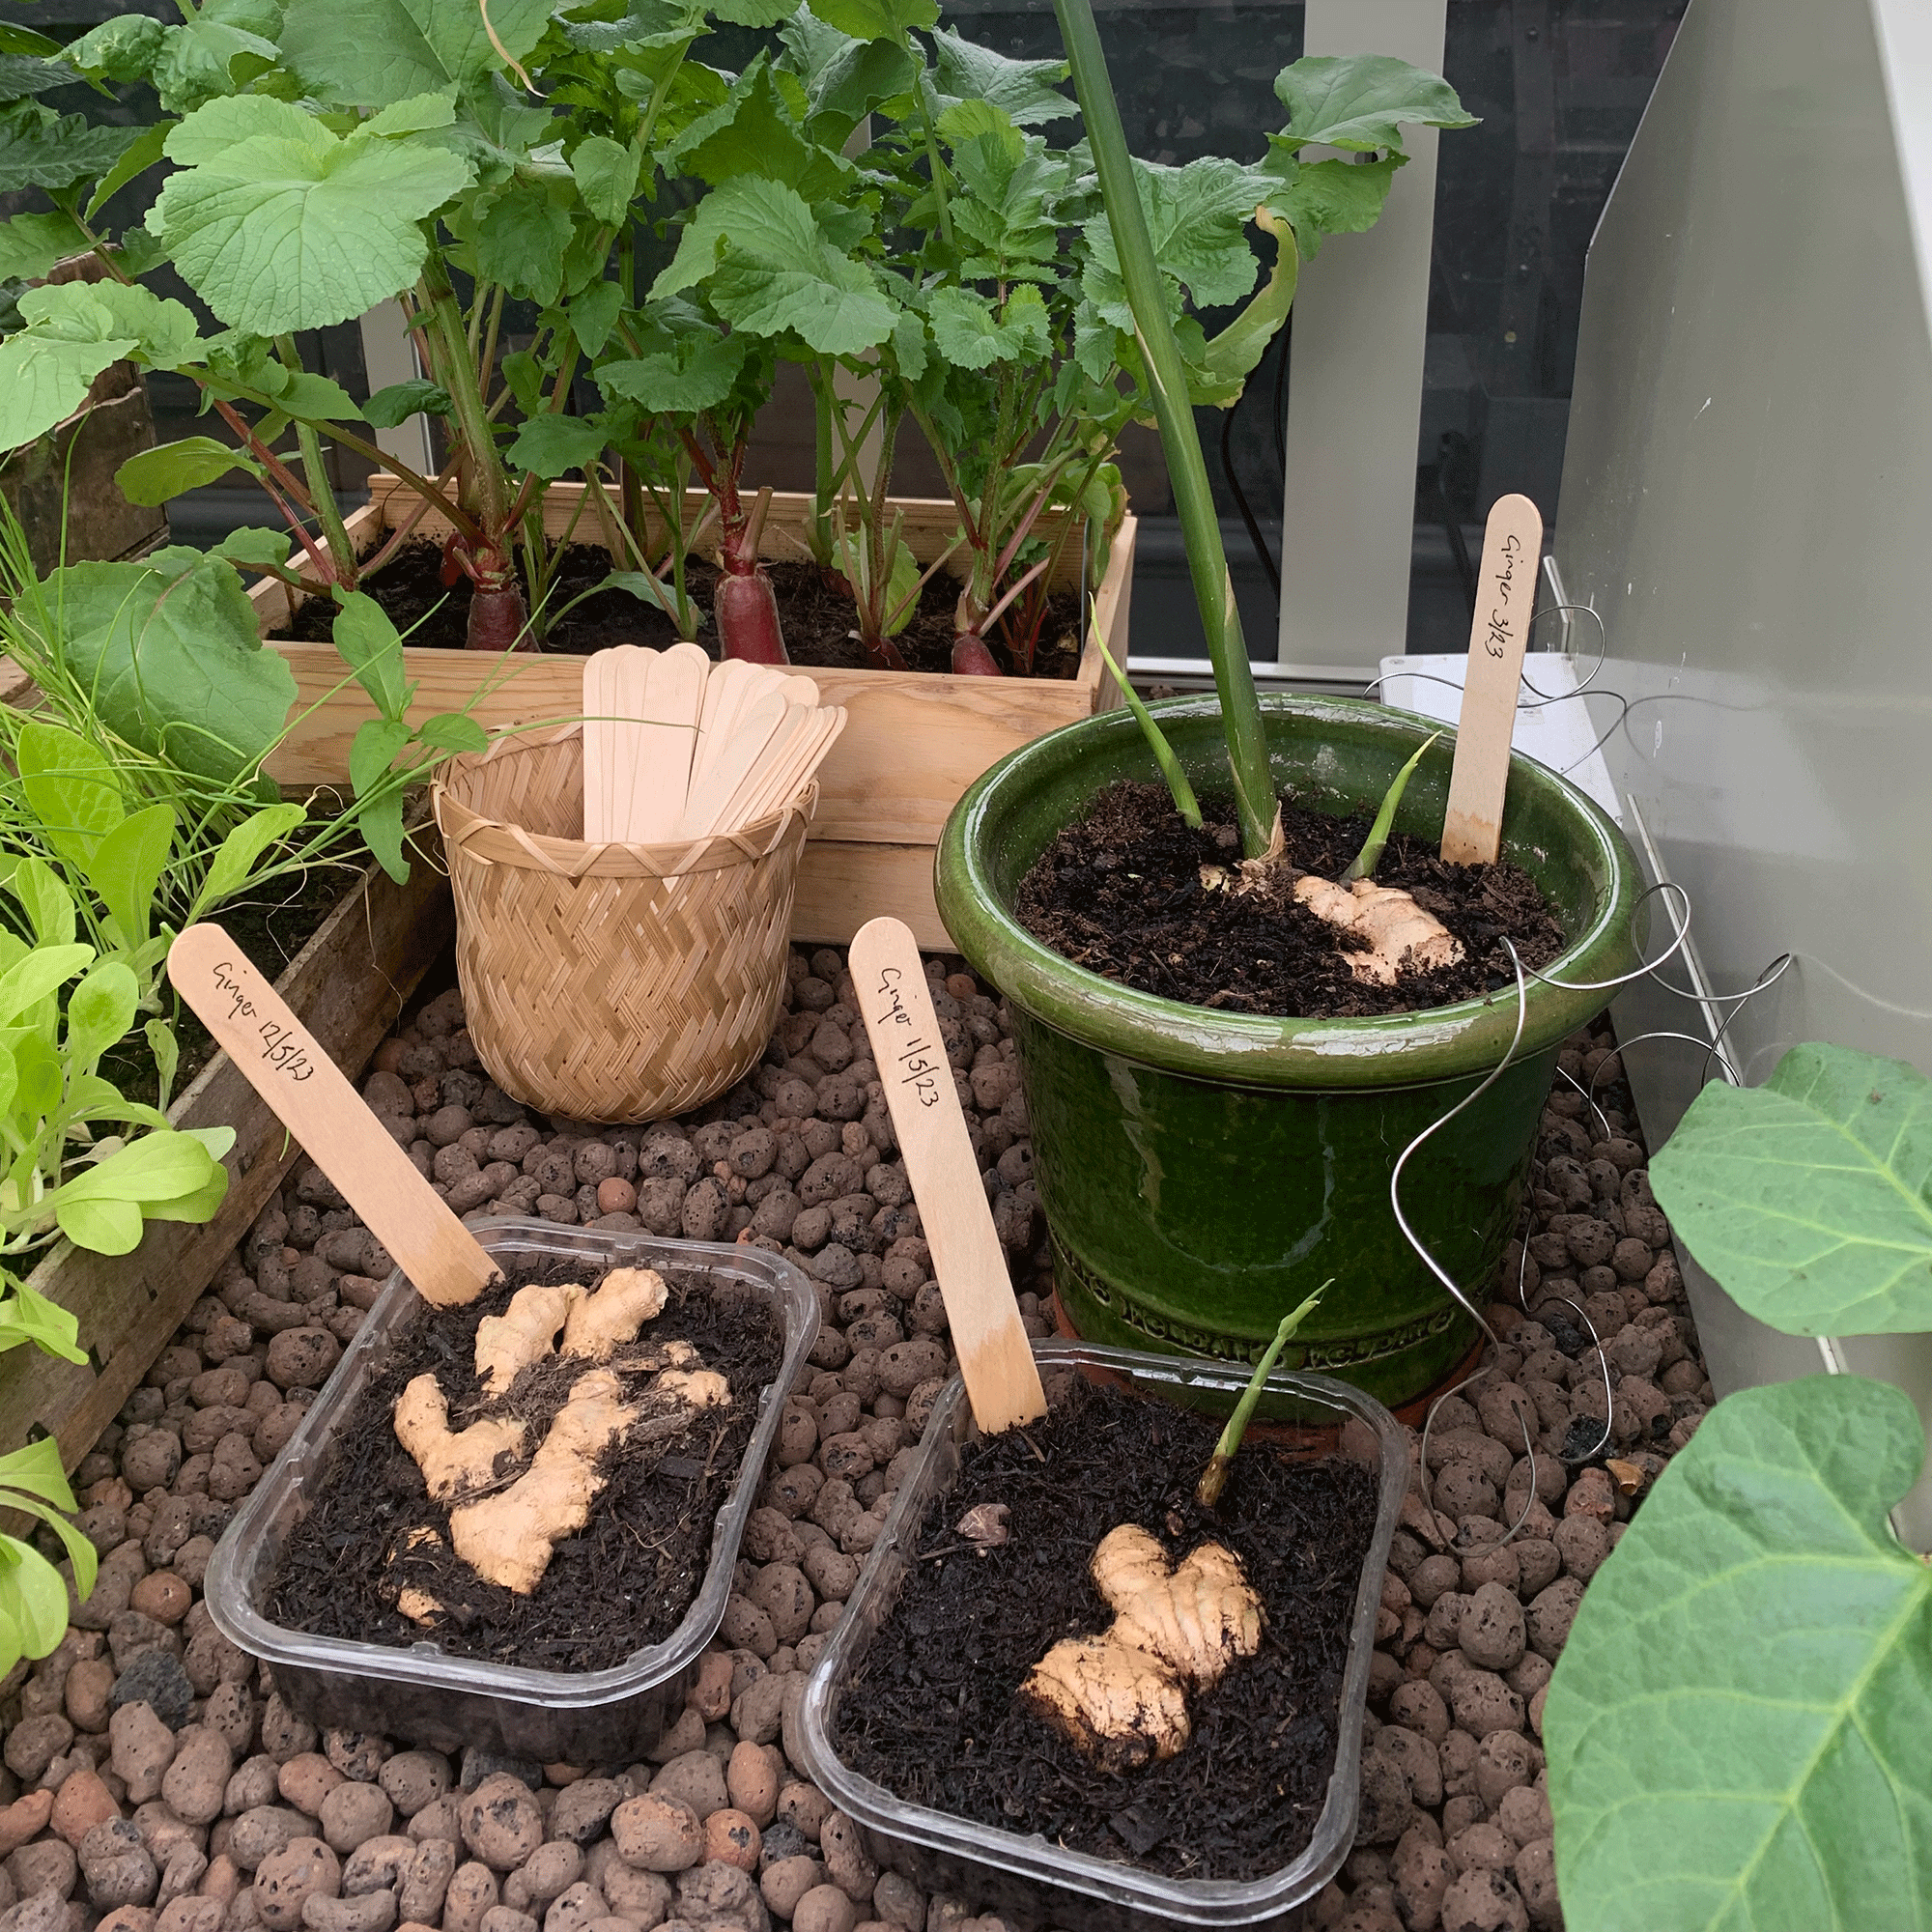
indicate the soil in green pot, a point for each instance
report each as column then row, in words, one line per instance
column 932, row 1712
column 622, row 1582
column 816, row 615
column 1122, row 894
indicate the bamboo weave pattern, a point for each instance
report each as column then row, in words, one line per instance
column 612, row 982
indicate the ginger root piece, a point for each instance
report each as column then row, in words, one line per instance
column 1120, row 1698
column 452, row 1465
column 522, row 1334
column 1118, row 1706
column 599, row 1324
column 418, row 1605
column 506, row 1538
column 1398, row 932
column 695, row 1388
column 1196, row 1617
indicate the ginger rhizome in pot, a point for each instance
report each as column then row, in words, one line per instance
column 1120, row 1698
column 507, row 1514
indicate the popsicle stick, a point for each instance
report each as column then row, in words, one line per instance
column 995, row 1356
column 727, row 691
column 600, row 703
column 715, row 789
column 1472, row 827
column 310, row 1096
column 662, row 744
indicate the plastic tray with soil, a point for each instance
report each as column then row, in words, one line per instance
column 1136, row 895
column 418, row 1589
column 915, row 1723
column 816, row 611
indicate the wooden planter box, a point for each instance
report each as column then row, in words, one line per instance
column 348, row 984
column 913, row 743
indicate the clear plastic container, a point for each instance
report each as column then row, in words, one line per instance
column 593, row 1717
column 1027, row 1879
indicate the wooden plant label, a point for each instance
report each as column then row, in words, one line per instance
column 995, row 1356
column 311, row 1097
column 1472, row 828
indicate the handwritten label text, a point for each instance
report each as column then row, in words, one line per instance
column 919, row 1062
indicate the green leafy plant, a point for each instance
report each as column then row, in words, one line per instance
column 1215, row 1478
column 1363, row 864
column 61, row 1009
column 1733, row 1728
column 1356, row 104
column 33, row 1597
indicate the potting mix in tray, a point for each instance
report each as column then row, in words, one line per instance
column 1003, row 1568
column 533, row 1478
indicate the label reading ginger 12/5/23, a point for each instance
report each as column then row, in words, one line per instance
column 282, row 1047
column 917, row 1062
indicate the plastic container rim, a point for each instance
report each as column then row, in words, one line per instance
column 1229, row 1902
column 233, row 1610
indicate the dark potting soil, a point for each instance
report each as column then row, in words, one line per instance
column 816, row 611
column 931, row 1712
column 1121, row 894
column 623, row 1582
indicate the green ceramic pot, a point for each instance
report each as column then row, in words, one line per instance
column 1203, row 1172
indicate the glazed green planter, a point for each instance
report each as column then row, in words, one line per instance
column 1203, row 1172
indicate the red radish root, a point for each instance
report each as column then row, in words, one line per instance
column 972, row 659
column 745, row 610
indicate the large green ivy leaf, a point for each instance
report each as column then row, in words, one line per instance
column 57, row 155
column 1736, row 1730
column 1810, row 1198
column 1025, row 92
column 279, row 225
column 170, row 649
column 367, row 53
column 876, row 20
column 771, row 272
column 1361, row 100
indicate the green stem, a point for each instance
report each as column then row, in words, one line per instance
column 1215, row 1477
column 941, row 200
column 315, row 468
column 1180, row 439
column 1178, row 789
column 483, row 486
column 1370, row 855
column 824, row 401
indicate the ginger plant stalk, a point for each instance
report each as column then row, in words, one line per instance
column 1215, row 1478
column 1180, row 439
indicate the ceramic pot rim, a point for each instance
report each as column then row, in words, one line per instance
column 1234, row 1049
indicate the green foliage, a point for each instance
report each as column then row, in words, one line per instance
column 279, row 225
column 1362, row 101
column 369, row 53
column 55, row 1174
column 1363, row 864
column 33, row 1597
column 1751, row 1663
column 1811, row 1197
column 1736, row 1726
column 171, row 656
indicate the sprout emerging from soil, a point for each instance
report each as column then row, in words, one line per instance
column 1122, row 1697
column 1215, row 1478
column 1178, row 789
column 1370, row 855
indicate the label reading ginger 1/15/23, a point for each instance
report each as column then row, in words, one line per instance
column 917, row 1063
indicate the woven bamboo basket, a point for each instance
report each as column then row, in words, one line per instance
column 614, row 984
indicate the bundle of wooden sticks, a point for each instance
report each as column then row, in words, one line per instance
column 676, row 747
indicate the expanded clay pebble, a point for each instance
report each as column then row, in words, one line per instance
column 246, row 1815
